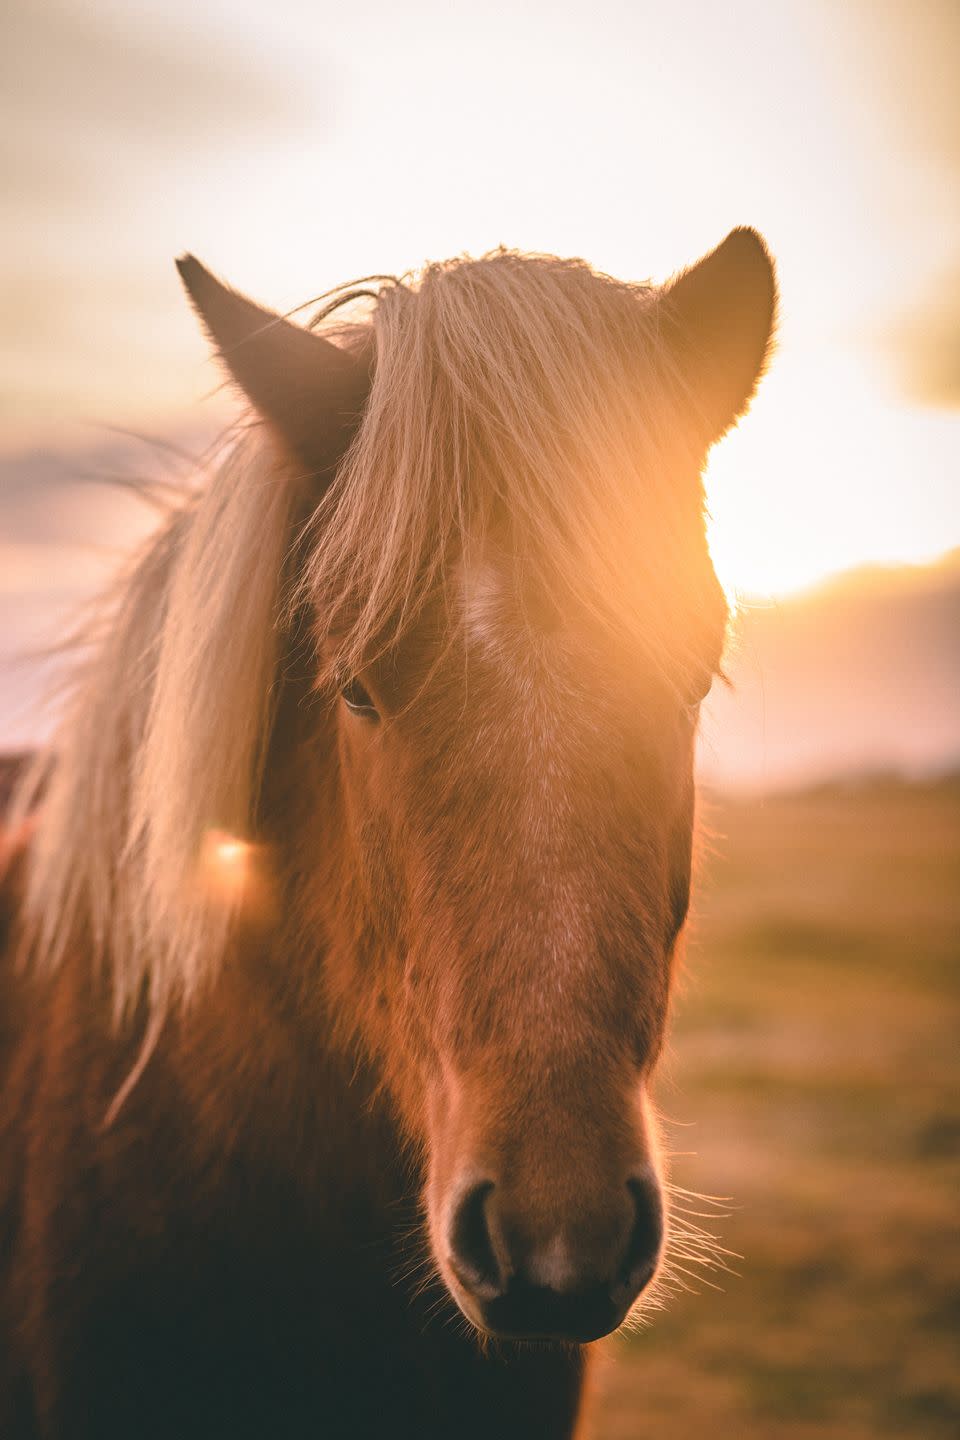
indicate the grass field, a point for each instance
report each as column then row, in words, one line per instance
column 813, row 1077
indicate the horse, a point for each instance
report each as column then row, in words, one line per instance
column 340, row 913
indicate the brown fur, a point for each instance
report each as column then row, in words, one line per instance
column 448, row 957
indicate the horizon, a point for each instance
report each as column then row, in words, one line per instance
column 802, row 705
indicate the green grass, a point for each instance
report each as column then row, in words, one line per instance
column 813, row 1077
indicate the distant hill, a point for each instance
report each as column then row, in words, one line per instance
column 860, row 674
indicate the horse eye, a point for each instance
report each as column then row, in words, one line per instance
column 357, row 698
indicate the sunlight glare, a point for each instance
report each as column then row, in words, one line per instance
column 225, row 865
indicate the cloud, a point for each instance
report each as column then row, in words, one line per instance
column 96, row 106
column 122, row 128
column 921, row 43
column 907, row 57
column 78, row 83
column 927, row 345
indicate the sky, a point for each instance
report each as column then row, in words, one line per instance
column 295, row 145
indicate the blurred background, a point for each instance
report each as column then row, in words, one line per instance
column 812, row 1077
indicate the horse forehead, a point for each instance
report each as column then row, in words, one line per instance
column 488, row 600
column 502, row 614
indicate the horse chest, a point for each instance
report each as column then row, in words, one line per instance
column 144, row 1295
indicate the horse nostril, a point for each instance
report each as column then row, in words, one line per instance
column 646, row 1237
column 571, row 1282
column 471, row 1249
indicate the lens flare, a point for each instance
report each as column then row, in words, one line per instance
column 225, row 865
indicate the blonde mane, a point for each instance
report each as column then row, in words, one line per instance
column 514, row 395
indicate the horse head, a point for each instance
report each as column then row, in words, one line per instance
column 512, row 660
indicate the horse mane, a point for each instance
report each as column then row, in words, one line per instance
column 527, row 398
column 515, row 396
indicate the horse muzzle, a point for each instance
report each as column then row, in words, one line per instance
column 519, row 1279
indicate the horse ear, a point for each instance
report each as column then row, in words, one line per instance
column 718, row 318
column 307, row 389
